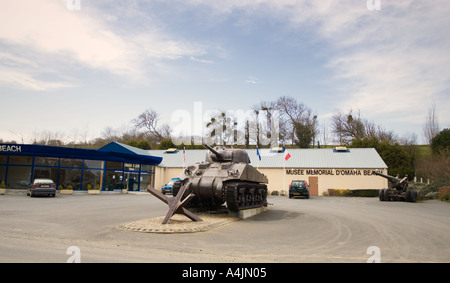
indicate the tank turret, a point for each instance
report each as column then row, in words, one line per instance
column 225, row 176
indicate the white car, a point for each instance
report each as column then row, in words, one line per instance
column 43, row 187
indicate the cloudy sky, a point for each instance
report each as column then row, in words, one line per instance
column 77, row 67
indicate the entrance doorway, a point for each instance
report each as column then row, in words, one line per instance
column 313, row 186
column 132, row 181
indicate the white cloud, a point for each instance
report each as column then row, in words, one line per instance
column 23, row 80
column 253, row 80
column 65, row 37
column 396, row 64
column 22, row 73
column 204, row 61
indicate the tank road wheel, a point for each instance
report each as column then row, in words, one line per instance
column 248, row 198
column 245, row 195
column 231, row 197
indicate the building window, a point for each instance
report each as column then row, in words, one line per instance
column 3, row 159
column 93, row 164
column 148, row 168
column 113, row 180
column 93, row 178
column 20, row 160
column 46, row 173
column 146, row 180
column 19, row 177
column 70, row 177
column 72, row 163
column 3, row 174
column 46, row 161
column 114, row 165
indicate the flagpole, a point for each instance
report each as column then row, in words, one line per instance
column 286, row 157
column 184, row 158
column 284, row 174
column 259, row 157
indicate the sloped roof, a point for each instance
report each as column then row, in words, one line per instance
column 130, row 154
column 111, row 152
column 123, row 148
column 300, row 158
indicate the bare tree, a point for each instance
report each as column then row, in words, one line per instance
column 148, row 120
column 292, row 115
column 49, row 138
column 348, row 126
column 431, row 127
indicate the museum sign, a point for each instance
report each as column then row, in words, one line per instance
column 330, row 172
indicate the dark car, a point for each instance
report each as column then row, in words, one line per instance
column 168, row 188
column 42, row 187
column 299, row 188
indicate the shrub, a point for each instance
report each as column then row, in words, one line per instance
column 338, row 192
column 444, row 193
column 364, row 193
column 429, row 191
column 341, row 193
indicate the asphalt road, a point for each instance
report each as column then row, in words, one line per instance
column 320, row 229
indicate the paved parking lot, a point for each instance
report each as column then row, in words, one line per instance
column 321, row 229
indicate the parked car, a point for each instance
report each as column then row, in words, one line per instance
column 299, row 188
column 169, row 186
column 43, row 187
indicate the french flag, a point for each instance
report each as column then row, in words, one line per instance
column 287, row 155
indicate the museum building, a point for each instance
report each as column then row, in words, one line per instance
column 118, row 166
column 113, row 167
column 324, row 168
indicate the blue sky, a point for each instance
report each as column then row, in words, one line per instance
column 77, row 72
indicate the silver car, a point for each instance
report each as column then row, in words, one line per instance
column 42, row 187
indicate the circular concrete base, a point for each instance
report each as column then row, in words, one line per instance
column 178, row 224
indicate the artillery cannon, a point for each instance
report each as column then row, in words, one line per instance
column 224, row 176
column 398, row 190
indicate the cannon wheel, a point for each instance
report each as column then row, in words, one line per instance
column 381, row 194
column 411, row 196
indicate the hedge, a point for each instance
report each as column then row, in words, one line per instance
column 444, row 193
column 352, row 193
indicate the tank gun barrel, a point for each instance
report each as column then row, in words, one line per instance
column 217, row 154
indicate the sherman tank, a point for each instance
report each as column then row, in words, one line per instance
column 225, row 176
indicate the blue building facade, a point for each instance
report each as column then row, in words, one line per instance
column 113, row 167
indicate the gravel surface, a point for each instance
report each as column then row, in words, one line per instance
column 178, row 224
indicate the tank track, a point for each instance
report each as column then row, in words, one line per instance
column 245, row 195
